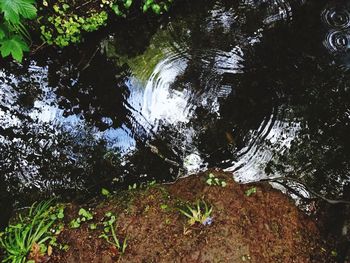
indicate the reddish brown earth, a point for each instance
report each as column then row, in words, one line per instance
column 263, row 227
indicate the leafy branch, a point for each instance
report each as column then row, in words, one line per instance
column 14, row 36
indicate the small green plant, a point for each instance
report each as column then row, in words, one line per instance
column 31, row 231
column 93, row 226
column 64, row 27
column 106, row 193
column 164, row 206
column 200, row 213
column 132, row 187
column 109, row 233
column 212, row 180
column 119, row 7
column 152, row 183
column 84, row 216
column 250, row 191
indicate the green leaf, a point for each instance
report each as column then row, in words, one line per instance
column 116, row 10
column 250, row 191
column 60, row 214
column 105, row 192
column 86, row 214
column 9, row 14
column 43, row 248
column 14, row 46
column 128, row 3
column 27, row 9
column 93, row 226
column 2, row 33
column 13, row 9
column 65, row 7
column 74, row 224
column 145, row 8
column 156, row 8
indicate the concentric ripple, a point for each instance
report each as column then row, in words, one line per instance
column 338, row 41
column 336, row 17
column 198, row 73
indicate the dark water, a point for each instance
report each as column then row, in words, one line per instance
column 260, row 88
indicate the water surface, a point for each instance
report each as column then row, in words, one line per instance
column 258, row 88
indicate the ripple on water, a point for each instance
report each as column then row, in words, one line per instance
column 337, row 41
column 190, row 77
column 336, row 17
column 203, row 93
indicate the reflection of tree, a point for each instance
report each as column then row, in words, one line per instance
column 37, row 155
column 214, row 50
column 313, row 92
column 44, row 158
column 97, row 91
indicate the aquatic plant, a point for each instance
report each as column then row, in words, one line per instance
column 14, row 36
column 31, row 233
column 200, row 213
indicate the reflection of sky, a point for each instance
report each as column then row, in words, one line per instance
column 229, row 62
column 161, row 103
column 221, row 17
column 156, row 103
column 252, row 158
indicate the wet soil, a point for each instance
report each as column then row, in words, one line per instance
column 265, row 226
